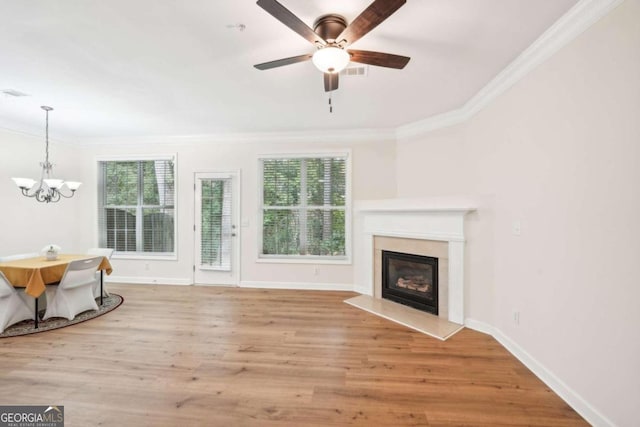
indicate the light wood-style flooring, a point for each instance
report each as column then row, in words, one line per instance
column 204, row 356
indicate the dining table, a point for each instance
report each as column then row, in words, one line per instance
column 34, row 274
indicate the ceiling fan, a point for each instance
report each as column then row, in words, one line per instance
column 331, row 35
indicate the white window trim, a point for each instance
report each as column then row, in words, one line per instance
column 307, row 259
column 141, row 157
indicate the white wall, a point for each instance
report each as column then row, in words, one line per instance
column 559, row 152
column 373, row 166
column 25, row 224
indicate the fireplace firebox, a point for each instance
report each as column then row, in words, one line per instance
column 410, row 280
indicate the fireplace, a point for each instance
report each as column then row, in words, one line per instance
column 411, row 280
column 432, row 227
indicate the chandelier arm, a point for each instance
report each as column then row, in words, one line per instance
column 25, row 192
column 54, row 196
column 41, row 196
column 73, row 192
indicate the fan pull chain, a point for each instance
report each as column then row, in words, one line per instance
column 330, row 95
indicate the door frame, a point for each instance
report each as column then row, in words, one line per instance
column 236, row 178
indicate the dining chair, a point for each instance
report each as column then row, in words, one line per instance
column 105, row 252
column 74, row 293
column 14, row 307
column 19, row 256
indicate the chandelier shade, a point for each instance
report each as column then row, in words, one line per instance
column 47, row 189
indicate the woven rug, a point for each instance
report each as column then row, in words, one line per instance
column 25, row 327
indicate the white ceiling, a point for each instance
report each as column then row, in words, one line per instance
column 122, row 68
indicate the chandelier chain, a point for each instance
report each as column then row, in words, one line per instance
column 46, row 158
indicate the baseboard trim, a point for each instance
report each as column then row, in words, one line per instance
column 573, row 399
column 478, row 326
column 148, row 280
column 242, row 284
column 297, row 285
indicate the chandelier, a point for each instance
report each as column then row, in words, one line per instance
column 47, row 189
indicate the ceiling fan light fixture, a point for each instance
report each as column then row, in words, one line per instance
column 331, row 59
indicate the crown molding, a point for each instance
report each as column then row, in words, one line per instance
column 578, row 19
column 315, row 136
column 35, row 136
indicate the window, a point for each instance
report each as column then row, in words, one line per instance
column 215, row 223
column 304, row 207
column 136, row 211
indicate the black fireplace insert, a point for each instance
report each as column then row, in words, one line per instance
column 410, row 280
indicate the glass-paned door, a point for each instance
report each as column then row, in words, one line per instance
column 216, row 231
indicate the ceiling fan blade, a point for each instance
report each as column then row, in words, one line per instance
column 330, row 81
column 378, row 58
column 285, row 16
column 283, row 62
column 372, row 16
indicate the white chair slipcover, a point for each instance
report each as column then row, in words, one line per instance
column 74, row 294
column 15, row 305
column 105, row 252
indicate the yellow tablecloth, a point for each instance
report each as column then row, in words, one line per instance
column 35, row 273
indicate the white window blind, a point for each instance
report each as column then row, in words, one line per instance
column 216, row 227
column 304, row 207
column 136, row 210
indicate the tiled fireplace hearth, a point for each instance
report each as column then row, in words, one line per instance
column 425, row 227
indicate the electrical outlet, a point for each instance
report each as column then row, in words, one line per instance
column 315, row 271
column 146, row 266
column 517, row 228
column 516, row 317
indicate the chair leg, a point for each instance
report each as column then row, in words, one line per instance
column 36, row 317
column 101, row 286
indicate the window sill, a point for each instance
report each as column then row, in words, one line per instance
column 145, row 257
column 304, row 260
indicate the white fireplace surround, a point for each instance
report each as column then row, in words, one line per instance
column 425, row 219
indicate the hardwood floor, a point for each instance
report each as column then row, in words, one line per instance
column 181, row 356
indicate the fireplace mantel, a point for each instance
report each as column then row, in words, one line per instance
column 438, row 219
column 436, row 204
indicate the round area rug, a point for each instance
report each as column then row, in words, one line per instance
column 25, row 327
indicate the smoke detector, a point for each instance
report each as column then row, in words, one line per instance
column 13, row 92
